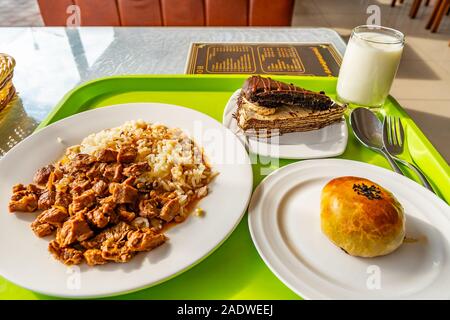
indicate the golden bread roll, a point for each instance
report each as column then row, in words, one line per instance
column 361, row 217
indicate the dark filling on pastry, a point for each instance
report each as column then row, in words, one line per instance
column 277, row 99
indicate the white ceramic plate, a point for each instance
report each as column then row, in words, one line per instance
column 284, row 221
column 330, row 141
column 24, row 257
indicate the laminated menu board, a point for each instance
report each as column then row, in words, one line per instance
column 313, row 59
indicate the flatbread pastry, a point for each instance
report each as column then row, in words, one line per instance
column 268, row 107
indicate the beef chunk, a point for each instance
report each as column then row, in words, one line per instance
column 32, row 188
column 96, row 171
column 120, row 243
column 130, row 181
column 112, row 243
column 47, row 222
column 28, row 203
column 20, row 190
column 113, row 172
column 74, row 229
column 118, row 173
column 42, row 175
column 42, row 229
column 82, row 161
column 126, row 154
column 170, row 210
column 136, row 169
column 107, row 155
column 125, row 248
column 79, row 185
column 58, row 174
column 63, row 199
column 117, row 232
column 46, row 200
column 86, row 200
column 148, row 208
column 123, row 193
column 116, row 251
column 94, row 257
column 108, row 204
column 162, row 197
column 54, row 216
column 18, row 187
column 68, row 256
column 100, row 187
column 98, row 217
column 146, row 240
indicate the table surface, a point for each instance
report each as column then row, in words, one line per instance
column 53, row 60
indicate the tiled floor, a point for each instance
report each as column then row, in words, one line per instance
column 423, row 80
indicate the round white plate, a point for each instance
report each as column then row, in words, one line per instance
column 25, row 259
column 284, row 221
column 329, row 141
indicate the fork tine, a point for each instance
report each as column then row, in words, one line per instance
column 397, row 137
column 386, row 130
column 391, row 127
column 401, row 132
column 397, row 128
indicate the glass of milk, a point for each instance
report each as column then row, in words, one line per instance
column 370, row 63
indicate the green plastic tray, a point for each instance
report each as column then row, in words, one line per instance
column 234, row 270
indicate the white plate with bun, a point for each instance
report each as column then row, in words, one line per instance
column 286, row 220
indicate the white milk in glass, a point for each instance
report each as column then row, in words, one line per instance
column 369, row 66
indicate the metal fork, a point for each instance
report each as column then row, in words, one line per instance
column 394, row 142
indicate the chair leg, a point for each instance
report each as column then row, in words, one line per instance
column 442, row 10
column 433, row 14
column 393, row 3
column 427, row 3
column 401, row 1
column 415, row 8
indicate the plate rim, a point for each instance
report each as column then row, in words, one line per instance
column 56, row 294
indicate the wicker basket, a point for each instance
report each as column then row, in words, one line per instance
column 7, row 90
